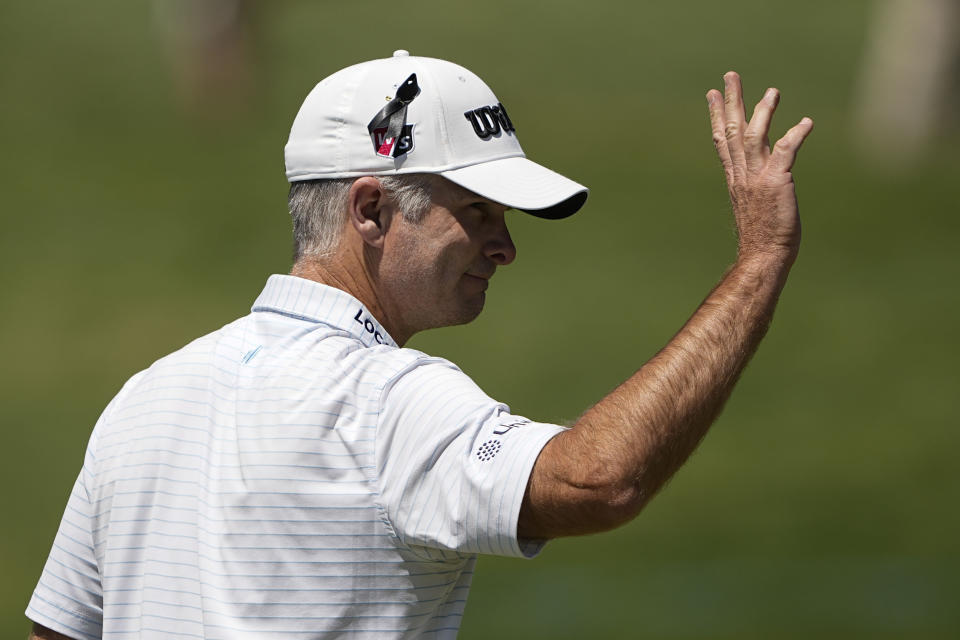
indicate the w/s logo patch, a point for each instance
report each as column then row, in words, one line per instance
column 393, row 147
column 391, row 135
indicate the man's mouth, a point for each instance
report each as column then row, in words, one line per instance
column 484, row 274
column 483, row 278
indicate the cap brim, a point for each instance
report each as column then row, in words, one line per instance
column 522, row 184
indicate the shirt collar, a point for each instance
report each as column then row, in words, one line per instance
column 315, row 302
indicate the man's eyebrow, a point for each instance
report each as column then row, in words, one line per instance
column 463, row 194
column 471, row 198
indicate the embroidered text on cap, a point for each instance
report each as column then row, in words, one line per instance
column 489, row 121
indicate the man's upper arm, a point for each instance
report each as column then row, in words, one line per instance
column 453, row 464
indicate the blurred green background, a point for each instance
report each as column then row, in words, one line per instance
column 139, row 213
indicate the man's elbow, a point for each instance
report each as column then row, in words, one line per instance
column 614, row 503
column 582, row 508
column 572, row 495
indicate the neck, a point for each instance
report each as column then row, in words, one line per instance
column 352, row 276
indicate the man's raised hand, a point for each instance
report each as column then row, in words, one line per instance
column 758, row 178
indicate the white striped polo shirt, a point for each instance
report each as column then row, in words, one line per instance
column 294, row 475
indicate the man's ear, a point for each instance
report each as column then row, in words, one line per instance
column 368, row 210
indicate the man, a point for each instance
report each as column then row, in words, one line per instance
column 299, row 474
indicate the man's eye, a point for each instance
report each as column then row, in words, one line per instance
column 482, row 207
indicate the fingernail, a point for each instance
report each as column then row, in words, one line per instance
column 771, row 95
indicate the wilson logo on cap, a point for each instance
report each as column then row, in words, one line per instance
column 489, row 121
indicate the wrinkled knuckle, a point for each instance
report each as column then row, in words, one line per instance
column 731, row 130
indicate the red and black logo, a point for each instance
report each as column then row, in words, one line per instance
column 393, row 147
column 392, row 136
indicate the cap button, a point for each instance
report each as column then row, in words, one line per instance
column 399, row 53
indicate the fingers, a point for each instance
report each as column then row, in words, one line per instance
column 756, row 139
column 785, row 150
column 745, row 148
column 734, row 117
column 717, row 123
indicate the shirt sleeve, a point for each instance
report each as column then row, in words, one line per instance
column 453, row 464
column 68, row 599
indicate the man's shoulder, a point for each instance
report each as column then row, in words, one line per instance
column 193, row 354
column 203, row 348
column 393, row 363
column 409, row 359
column 420, row 378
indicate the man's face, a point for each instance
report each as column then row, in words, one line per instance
column 436, row 271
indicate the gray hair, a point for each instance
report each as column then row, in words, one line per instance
column 319, row 209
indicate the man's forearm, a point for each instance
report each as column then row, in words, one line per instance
column 669, row 404
column 601, row 473
column 626, row 446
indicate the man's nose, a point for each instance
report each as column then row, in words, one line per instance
column 500, row 248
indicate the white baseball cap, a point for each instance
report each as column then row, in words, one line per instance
column 409, row 114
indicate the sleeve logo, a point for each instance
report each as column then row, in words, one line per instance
column 511, row 422
column 488, row 450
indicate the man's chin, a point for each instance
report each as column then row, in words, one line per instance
column 471, row 308
column 467, row 311
column 464, row 310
